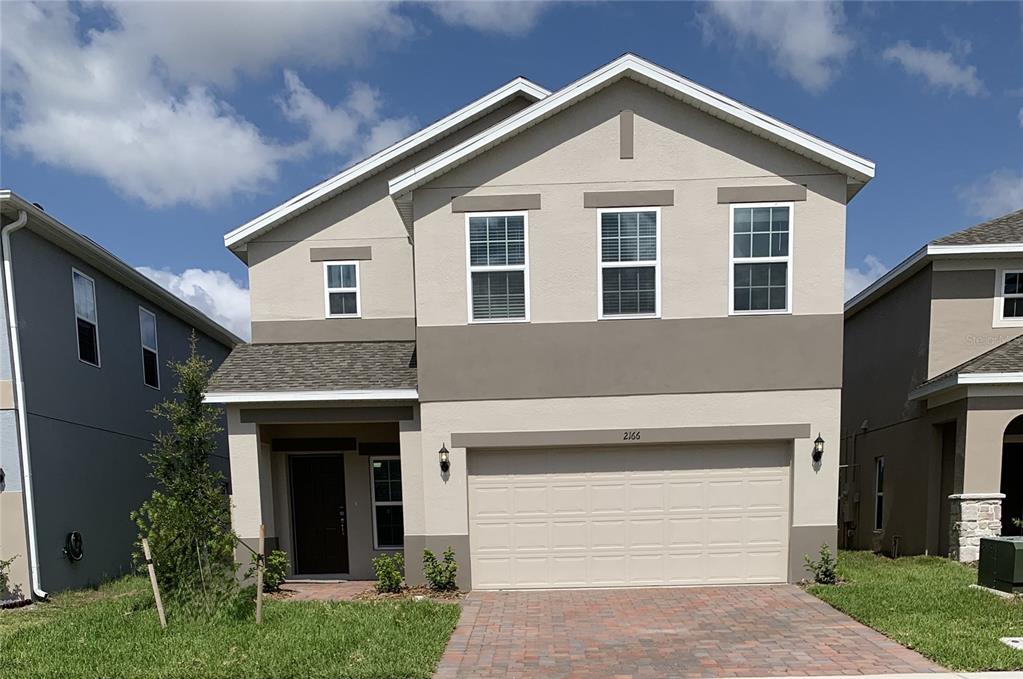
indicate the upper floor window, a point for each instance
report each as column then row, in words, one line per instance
column 1010, row 297
column 86, row 317
column 761, row 258
column 629, row 252
column 498, row 277
column 150, row 351
column 342, row 289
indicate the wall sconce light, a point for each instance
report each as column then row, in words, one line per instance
column 818, row 448
column 445, row 460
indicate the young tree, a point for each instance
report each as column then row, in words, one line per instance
column 187, row 520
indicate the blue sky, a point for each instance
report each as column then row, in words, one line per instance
column 156, row 128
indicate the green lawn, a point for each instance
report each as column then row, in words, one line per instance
column 114, row 632
column 927, row 604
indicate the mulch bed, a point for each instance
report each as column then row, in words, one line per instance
column 416, row 593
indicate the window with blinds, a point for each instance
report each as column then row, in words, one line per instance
column 629, row 263
column 150, row 348
column 761, row 253
column 86, row 317
column 497, row 267
column 342, row 289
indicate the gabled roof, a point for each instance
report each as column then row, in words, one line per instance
column 316, row 371
column 1000, row 236
column 88, row 250
column 858, row 170
column 519, row 87
column 1001, row 365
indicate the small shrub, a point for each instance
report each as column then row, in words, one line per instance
column 440, row 575
column 274, row 573
column 824, row 569
column 390, row 571
column 5, row 575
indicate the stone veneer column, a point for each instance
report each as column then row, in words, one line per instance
column 973, row 516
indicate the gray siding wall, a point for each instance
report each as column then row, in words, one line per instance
column 89, row 426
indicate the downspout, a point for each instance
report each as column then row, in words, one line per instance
column 19, row 390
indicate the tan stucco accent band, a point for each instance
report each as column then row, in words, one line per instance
column 291, row 415
column 334, row 330
column 362, row 252
column 806, row 541
column 597, row 437
column 626, row 134
column 517, row 201
column 621, row 358
column 760, row 194
column 6, row 395
column 628, row 198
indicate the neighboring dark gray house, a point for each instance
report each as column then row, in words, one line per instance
column 85, row 343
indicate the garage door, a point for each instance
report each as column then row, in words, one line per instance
column 605, row 517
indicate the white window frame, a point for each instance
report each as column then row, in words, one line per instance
column 1000, row 321
column 879, row 466
column 327, row 289
column 154, row 349
column 470, row 269
column 601, row 264
column 95, row 304
column 733, row 260
column 389, row 503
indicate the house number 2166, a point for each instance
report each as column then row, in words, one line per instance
column 631, row 436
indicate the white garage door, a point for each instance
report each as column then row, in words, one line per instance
column 604, row 517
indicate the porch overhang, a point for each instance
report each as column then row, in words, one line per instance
column 966, row 384
column 345, row 395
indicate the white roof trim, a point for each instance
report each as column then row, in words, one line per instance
column 922, row 256
column 302, row 396
column 965, row 379
column 856, row 168
column 237, row 238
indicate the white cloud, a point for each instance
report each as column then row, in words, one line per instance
column 138, row 103
column 807, row 41
column 938, row 68
column 993, row 195
column 354, row 123
column 214, row 293
column 508, row 18
column 858, row 278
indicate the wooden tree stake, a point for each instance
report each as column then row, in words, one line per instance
column 259, row 574
column 152, row 581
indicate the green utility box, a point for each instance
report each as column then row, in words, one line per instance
column 1001, row 564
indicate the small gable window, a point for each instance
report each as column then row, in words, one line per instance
column 342, row 289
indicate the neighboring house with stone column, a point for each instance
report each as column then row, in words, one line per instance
column 85, row 342
column 932, row 404
column 585, row 338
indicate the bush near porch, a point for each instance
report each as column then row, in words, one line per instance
column 113, row 631
column 927, row 604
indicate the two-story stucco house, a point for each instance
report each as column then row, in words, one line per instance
column 933, row 399
column 85, row 341
column 585, row 338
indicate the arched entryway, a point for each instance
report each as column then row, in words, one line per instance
column 1012, row 477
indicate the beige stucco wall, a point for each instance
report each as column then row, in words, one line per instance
column 677, row 148
column 986, row 420
column 14, row 544
column 286, row 286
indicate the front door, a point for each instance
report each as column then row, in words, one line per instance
column 318, row 514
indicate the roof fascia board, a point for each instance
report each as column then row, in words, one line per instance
column 307, row 396
column 237, row 238
column 916, row 261
column 713, row 102
column 89, row 251
column 965, row 379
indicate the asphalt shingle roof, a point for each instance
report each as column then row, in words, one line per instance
column 327, row 366
column 1005, row 358
column 1005, row 229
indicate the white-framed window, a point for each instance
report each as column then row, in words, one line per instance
column 878, row 493
column 388, row 517
column 760, row 262
column 150, row 348
column 1009, row 298
column 629, row 263
column 341, row 283
column 86, row 317
column 497, row 254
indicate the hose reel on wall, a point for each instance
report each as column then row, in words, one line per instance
column 73, row 546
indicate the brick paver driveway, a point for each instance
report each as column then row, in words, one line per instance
column 665, row 632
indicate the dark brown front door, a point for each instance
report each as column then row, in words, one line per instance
column 318, row 507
